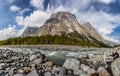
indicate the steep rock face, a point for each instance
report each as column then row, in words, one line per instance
column 89, row 31
column 65, row 22
column 58, row 23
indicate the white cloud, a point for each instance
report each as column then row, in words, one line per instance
column 37, row 18
column 23, row 11
column 10, row 32
column 61, row 8
column 15, row 8
column 111, row 39
column 37, row 3
column 103, row 22
column 107, row 1
column 78, row 4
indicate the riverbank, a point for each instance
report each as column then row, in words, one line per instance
column 37, row 64
column 55, row 47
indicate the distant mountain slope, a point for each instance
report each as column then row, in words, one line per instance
column 29, row 31
column 112, row 44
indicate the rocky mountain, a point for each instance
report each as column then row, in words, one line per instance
column 58, row 23
column 66, row 23
column 29, row 31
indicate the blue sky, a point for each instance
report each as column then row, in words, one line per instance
column 16, row 15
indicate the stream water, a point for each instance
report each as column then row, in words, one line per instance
column 58, row 57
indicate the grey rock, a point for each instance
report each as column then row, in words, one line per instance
column 115, row 66
column 1, row 72
column 19, row 75
column 48, row 74
column 83, row 74
column 69, row 72
column 103, row 72
column 33, row 73
column 72, row 63
column 91, row 71
column 33, row 57
column 62, row 72
column 55, row 70
column 84, row 67
column 38, row 61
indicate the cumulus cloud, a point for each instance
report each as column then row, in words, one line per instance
column 21, row 13
column 103, row 22
column 107, row 1
column 15, row 8
column 112, row 39
column 61, row 8
column 78, row 4
column 37, row 18
column 37, row 3
column 10, row 32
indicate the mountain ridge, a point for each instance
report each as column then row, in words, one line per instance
column 66, row 23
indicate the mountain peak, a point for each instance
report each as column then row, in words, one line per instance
column 58, row 23
column 63, row 15
column 65, row 22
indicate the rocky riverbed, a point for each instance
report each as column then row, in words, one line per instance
column 29, row 62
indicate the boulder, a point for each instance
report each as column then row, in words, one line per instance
column 94, row 74
column 84, row 67
column 102, row 72
column 21, row 71
column 83, row 74
column 115, row 67
column 72, row 63
column 38, row 61
column 91, row 71
column 79, row 72
column 62, row 72
column 24, row 70
column 69, row 72
column 33, row 57
column 1, row 72
column 50, row 64
column 2, row 65
column 11, row 71
column 48, row 74
column 19, row 75
column 55, row 70
column 33, row 73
